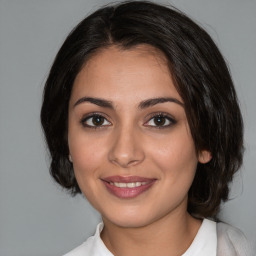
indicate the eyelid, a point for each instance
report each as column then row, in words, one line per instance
column 91, row 115
column 162, row 114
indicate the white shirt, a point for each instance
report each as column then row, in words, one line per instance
column 205, row 243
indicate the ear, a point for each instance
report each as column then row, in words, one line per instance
column 204, row 156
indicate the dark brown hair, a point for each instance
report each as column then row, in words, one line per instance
column 201, row 78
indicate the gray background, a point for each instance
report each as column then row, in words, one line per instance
column 36, row 216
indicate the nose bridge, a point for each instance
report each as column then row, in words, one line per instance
column 126, row 148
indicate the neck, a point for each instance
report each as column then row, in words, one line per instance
column 168, row 236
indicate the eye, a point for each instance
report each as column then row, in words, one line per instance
column 160, row 121
column 95, row 121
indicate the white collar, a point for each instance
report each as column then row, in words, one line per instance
column 205, row 243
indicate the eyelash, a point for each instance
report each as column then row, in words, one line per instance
column 166, row 117
column 91, row 116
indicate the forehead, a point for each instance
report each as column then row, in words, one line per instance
column 140, row 50
column 141, row 72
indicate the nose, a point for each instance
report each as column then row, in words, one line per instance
column 126, row 149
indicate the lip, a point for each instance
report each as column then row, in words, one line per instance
column 127, row 192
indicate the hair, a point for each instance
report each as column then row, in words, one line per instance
column 201, row 77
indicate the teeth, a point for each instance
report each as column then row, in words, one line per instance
column 128, row 185
column 131, row 185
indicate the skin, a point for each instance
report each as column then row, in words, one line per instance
column 129, row 143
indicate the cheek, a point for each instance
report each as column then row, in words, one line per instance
column 87, row 156
column 175, row 155
column 177, row 161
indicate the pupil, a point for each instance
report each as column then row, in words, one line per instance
column 97, row 120
column 160, row 120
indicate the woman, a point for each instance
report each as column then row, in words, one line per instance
column 141, row 116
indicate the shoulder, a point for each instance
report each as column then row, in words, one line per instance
column 83, row 250
column 232, row 241
column 93, row 246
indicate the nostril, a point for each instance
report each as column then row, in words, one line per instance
column 124, row 163
column 126, row 149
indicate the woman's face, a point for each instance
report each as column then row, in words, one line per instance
column 133, row 154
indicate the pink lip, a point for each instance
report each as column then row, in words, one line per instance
column 126, row 193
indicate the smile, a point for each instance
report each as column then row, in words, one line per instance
column 127, row 187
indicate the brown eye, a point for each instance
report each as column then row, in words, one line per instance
column 95, row 121
column 160, row 121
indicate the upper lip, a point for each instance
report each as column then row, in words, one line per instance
column 127, row 179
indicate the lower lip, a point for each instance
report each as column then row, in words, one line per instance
column 127, row 193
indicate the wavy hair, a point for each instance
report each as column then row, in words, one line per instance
column 201, row 77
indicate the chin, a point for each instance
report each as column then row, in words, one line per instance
column 130, row 220
column 130, row 223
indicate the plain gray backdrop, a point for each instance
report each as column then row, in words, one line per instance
column 37, row 218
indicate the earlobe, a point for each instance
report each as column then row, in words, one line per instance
column 204, row 157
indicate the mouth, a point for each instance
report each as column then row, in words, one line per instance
column 127, row 187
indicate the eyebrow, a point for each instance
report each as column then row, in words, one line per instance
column 144, row 104
column 151, row 102
column 97, row 101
